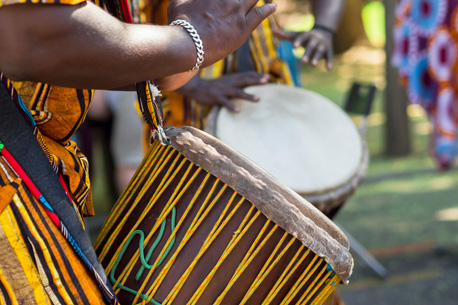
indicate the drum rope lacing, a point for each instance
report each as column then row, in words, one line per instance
column 157, row 160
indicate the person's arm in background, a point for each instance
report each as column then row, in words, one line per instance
column 82, row 46
column 318, row 42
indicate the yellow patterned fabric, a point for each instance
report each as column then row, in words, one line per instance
column 37, row 264
column 58, row 112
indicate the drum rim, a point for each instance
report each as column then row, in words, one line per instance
column 331, row 198
column 275, row 200
column 325, row 199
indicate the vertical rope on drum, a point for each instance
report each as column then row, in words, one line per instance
column 211, row 237
column 171, row 237
column 168, row 177
column 191, row 230
column 137, row 180
column 285, row 276
column 158, row 192
column 319, row 283
column 189, row 207
column 176, row 195
column 132, row 186
column 305, row 276
column 151, row 157
column 268, row 267
column 307, row 294
column 236, row 237
column 324, row 294
column 119, row 211
column 251, row 253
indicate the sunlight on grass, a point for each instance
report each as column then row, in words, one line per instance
column 376, row 119
column 447, row 215
column 415, row 185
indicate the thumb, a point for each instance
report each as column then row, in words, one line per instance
column 258, row 13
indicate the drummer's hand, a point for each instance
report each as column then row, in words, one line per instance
column 220, row 91
column 318, row 44
column 223, row 25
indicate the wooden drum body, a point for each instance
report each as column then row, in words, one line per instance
column 300, row 137
column 201, row 224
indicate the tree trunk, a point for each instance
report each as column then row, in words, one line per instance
column 397, row 123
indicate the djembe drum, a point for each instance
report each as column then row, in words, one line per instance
column 301, row 138
column 201, row 224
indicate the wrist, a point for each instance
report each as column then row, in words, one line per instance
column 196, row 39
column 181, row 48
column 324, row 28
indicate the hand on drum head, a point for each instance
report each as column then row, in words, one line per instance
column 220, row 91
column 318, row 44
column 223, row 25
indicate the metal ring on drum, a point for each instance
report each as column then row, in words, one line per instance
column 301, row 138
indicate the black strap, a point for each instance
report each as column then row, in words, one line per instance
column 244, row 61
column 18, row 138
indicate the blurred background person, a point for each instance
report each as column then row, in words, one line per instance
column 426, row 52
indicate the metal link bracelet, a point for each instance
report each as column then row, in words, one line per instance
column 197, row 41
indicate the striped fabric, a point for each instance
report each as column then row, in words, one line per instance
column 37, row 264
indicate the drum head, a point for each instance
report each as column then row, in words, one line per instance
column 300, row 137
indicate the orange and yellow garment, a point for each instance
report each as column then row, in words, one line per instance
column 37, row 263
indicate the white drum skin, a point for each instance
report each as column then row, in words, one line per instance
column 300, row 137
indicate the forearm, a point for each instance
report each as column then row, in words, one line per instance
column 84, row 47
column 328, row 12
column 175, row 82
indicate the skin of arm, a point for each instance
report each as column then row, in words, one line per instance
column 82, row 46
column 328, row 12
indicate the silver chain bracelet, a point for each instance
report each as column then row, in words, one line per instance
column 197, row 41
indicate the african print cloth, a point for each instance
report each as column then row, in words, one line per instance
column 426, row 36
column 37, row 264
column 261, row 54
